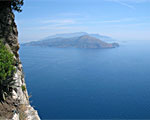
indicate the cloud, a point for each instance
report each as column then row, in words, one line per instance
column 130, row 1
column 60, row 22
column 123, row 2
column 135, row 1
column 123, row 20
column 70, row 14
column 127, row 3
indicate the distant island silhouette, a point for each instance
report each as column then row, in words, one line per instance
column 75, row 40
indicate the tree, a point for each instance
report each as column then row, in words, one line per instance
column 13, row 4
column 16, row 5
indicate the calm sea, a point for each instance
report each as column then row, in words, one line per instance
column 89, row 83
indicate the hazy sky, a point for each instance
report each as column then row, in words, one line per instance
column 120, row 19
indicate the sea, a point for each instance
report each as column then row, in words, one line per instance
column 74, row 83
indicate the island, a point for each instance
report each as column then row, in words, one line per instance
column 83, row 41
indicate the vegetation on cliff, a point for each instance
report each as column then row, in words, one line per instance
column 7, row 70
column 16, row 5
column 13, row 4
column 7, row 62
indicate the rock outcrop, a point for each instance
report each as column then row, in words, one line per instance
column 9, row 36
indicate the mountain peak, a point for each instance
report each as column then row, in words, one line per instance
column 87, row 37
column 79, row 34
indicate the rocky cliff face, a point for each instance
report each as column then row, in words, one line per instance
column 9, row 36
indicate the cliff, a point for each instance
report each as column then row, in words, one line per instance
column 17, row 107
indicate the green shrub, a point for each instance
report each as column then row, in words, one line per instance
column 23, row 88
column 7, row 70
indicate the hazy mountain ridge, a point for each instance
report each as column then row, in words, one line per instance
column 84, row 41
column 79, row 34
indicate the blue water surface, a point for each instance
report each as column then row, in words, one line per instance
column 71, row 83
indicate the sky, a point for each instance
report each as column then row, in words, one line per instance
column 119, row 19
